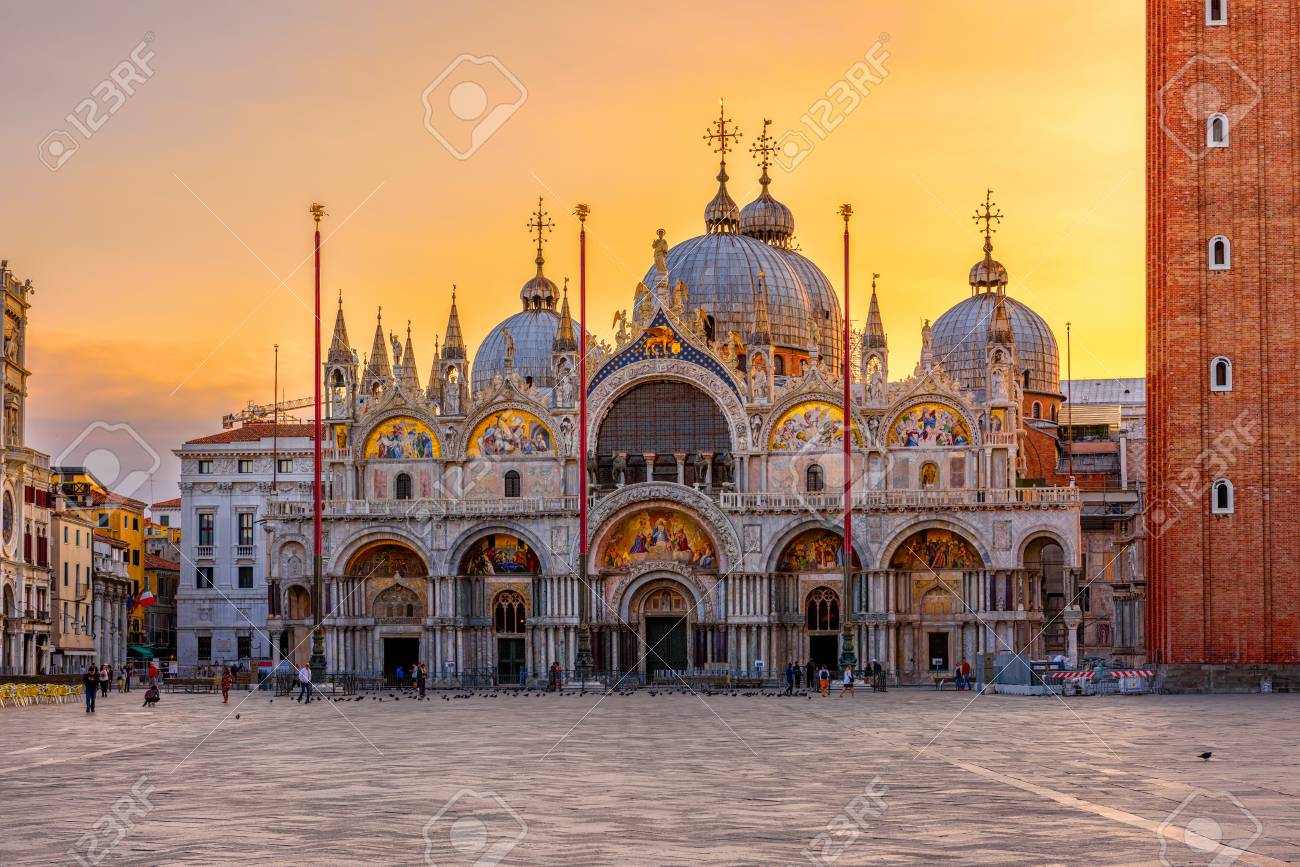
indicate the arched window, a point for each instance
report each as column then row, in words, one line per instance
column 1220, row 253
column 1222, row 497
column 1216, row 130
column 508, row 615
column 402, row 487
column 1054, row 412
column 1221, row 374
column 814, row 479
column 1024, row 378
column 1036, row 410
column 822, row 610
column 778, row 365
column 512, row 484
column 1216, row 12
column 397, row 601
column 929, row 475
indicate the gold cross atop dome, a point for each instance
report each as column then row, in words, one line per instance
column 719, row 135
column 541, row 224
column 988, row 215
column 762, row 149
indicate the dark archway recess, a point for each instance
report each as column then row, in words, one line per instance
column 662, row 417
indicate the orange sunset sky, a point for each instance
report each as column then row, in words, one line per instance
column 158, row 247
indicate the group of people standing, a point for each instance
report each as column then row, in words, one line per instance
column 97, row 680
column 819, row 677
column 416, row 677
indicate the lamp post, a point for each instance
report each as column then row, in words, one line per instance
column 317, row 579
column 847, row 657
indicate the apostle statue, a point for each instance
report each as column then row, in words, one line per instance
column 509, row 340
column 660, row 247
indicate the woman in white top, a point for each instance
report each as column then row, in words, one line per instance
column 848, row 683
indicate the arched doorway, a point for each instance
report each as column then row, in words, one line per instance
column 932, row 567
column 660, row 419
column 822, row 626
column 1045, row 564
column 661, row 613
column 509, row 618
column 394, row 576
column 294, row 643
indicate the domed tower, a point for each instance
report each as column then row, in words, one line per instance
column 522, row 343
column 721, row 270
column 960, row 338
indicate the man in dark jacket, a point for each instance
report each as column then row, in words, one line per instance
column 90, row 686
column 789, row 678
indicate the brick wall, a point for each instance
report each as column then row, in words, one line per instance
column 1223, row 589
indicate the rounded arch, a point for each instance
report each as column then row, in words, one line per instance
column 669, row 495
column 483, row 413
column 469, row 542
column 1070, row 552
column 655, row 532
column 697, row 599
column 966, row 533
column 792, row 533
column 821, row 607
column 925, row 411
column 370, row 540
column 397, row 413
column 297, row 602
column 812, row 392
column 723, row 394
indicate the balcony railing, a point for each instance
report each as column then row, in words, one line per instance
column 782, row 501
column 203, row 552
column 467, row 506
column 245, row 552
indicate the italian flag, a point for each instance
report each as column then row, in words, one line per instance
column 145, row 599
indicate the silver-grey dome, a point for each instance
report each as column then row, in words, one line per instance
column 826, row 303
column 721, row 273
column 533, row 332
column 767, row 219
column 960, row 337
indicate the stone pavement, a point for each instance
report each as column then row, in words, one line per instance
column 906, row 777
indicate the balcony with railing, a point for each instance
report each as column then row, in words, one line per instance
column 203, row 552
column 245, row 552
column 961, row 498
column 423, row 508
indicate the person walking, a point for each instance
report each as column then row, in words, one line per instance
column 90, row 686
column 130, row 672
column 555, row 677
column 789, row 678
column 400, row 675
column 105, row 679
column 810, row 670
column 304, row 684
column 423, row 674
column 848, row 682
column 227, row 679
column 798, row 674
column 964, row 672
column 824, row 681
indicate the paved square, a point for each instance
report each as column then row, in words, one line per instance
column 907, row 777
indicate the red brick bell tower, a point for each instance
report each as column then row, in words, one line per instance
column 1223, row 188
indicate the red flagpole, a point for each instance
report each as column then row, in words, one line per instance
column 318, row 631
column 847, row 658
column 583, row 659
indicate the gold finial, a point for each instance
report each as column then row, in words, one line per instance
column 989, row 216
column 846, row 211
column 340, row 297
column 541, row 224
column 453, row 293
column 719, row 132
column 408, row 329
column 581, row 212
column 380, row 315
column 874, row 278
column 763, row 149
column 317, row 211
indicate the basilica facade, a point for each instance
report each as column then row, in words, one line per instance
column 715, row 475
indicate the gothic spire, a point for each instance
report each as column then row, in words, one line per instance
column 409, row 377
column 379, row 365
column 762, row 333
column 340, row 347
column 1000, row 323
column 453, row 345
column 874, row 337
column 565, row 338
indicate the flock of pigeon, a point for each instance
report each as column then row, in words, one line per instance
column 413, row 695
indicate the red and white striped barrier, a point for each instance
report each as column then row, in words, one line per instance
column 1088, row 675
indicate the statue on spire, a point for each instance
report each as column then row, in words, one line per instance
column 660, row 247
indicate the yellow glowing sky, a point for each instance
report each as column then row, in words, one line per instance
column 158, row 247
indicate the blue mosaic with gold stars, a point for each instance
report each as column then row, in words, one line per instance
column 661, row 340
